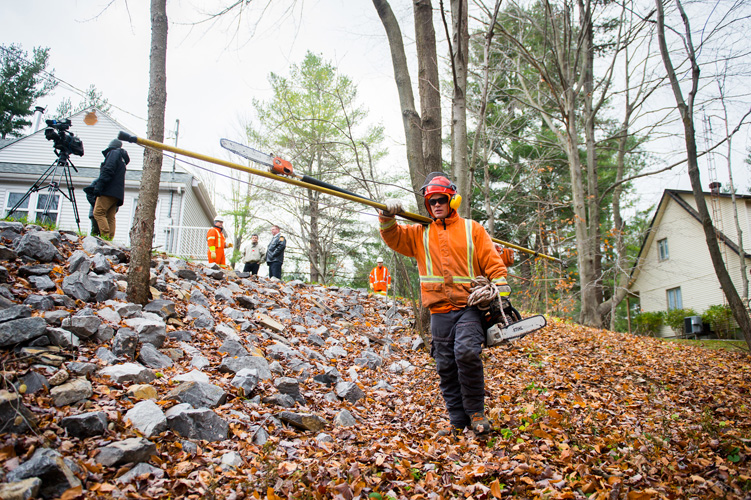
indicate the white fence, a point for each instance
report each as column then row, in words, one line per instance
column 187, row 242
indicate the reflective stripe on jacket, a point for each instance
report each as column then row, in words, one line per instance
column 449, row 254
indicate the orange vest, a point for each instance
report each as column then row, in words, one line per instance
column 216, row 242
column 449, row 254
column 380, row 279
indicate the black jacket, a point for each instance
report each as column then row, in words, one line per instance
column 111, row 181
column 275, row 251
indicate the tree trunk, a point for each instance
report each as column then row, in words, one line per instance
column 687, row 117
column 459, row 57
column 428, row 86
column 142, row 230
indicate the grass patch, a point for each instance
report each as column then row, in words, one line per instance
column 714, row 344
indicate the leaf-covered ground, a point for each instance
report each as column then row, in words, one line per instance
column 578, row 413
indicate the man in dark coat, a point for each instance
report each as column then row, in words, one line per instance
column 109, row 187
column 275, row 253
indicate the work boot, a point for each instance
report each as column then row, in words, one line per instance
column 454, row 432
column 480, row 423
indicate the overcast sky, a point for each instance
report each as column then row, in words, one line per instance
column 216, row 69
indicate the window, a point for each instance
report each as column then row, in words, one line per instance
column 48, row 206
column 42, row 203
column 662, row 249
column 675, row 301
column 22, row 212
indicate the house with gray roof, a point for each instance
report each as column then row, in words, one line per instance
column 184, row 209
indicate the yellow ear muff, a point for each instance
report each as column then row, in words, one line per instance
column 456, row 201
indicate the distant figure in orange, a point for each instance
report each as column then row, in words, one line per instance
column 217, row 242
column 507, row 254
column 380, row 279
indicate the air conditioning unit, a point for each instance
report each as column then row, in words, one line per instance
column 692, row 325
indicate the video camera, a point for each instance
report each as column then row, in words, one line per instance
column 64, row 141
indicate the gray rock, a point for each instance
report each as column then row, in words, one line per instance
column 32, row 246
column 198, row 298
column 193, row 376
column 48, row 466
column 126, row 451
column 55, row 318
column 231, row 460
column 289, row 386
column 335, row 352
column 15, row 312
column 21, row 490
column 4, row 274
column 162, row 307
column 198, row 394
column 234, row 365
column 151, row 357
column 79, row 286
column 42, row 283
column 128, row 373
column 86, row 424
column 34, row 270
column 247, row 302
column 224, row 331
column 108, row 314
column 79, row 262
column 140, row 470
column 6, row 254
column 71, row 392
column 100, row 264
column 40, row 302
column 104, row 334
column 369, row 359
column 83, row 327
column 181, row 335
column 200, row 423
column 344, row 419
column 324, row 438
column 125, row 343
column 223, row 294
column 105, row 287
column 349, row 391
column 187, row 274
column 232, row 347
column 81, row 368
column 33, row 381
column 21, row 330
column 129, row 310
column 283, row 400
column 147, row 417
column 217, row 274
column 246, row 380
column 149, row 330
column 316, row 340
column 14, row 416
column 304, row 421
column 281, row 351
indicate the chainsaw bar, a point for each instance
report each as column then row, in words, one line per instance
column 497, row 335
column 248, row 152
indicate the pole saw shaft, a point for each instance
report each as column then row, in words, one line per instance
column 124, row 136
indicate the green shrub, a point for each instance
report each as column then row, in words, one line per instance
column 674, row 319
column 649, row 323
column 720, row 318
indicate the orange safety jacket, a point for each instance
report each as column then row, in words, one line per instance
column 449, row 253
column 380, row 279
column 216, row 242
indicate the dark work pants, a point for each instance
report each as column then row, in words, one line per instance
column 457, row 343
column 275, row 270
column 252, row 268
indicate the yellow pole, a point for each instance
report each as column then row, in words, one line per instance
column 124, row 136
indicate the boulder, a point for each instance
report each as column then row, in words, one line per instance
column 21, row 330
column 126, row 451
column 147, row 417
column 33, row 246
column 198, row 394
column 200, row 423
column 86, row 424
column 48, row 466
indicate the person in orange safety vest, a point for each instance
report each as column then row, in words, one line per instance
column 450, row 253
column 217, row 242
column 380, row 279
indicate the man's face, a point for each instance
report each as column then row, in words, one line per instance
column 380, row 264
column 274, row 230
column 254, row 239
column 439, row 206
column 219, row 224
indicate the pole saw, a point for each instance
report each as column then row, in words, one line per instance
column 507, row 322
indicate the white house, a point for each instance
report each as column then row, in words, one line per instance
column 184, row 209
column 674, row 269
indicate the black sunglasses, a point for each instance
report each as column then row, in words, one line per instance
column 435, row 201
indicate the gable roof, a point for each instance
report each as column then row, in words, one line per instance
column 675, row 195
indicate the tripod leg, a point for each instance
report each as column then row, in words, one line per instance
column 72, row 197
column 33, row 189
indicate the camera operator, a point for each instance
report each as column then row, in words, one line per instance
column 109, row 188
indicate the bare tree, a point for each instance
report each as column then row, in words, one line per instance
column 142, row 230
column 686, row 109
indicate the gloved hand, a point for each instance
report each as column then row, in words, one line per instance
column 371, row 285
column 504, row 290
column 393, row 207
column 388, row 287
column 229, row 245
column 212, row 254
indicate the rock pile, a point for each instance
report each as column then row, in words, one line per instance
column 100, row 393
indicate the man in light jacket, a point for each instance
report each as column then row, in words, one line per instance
column 253, row 255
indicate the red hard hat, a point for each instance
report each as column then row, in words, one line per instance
column 437, row 183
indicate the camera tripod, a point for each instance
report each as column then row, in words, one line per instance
column 50, row 180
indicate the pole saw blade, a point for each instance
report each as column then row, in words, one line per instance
column 497, row 334
column 248, row 152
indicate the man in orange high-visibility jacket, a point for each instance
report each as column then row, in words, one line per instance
column 380, row 279
column 450, row 253
column 217, row 243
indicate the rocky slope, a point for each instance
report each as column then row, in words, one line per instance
column 226, row 386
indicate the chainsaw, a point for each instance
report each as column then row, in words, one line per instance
column 503, row 323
